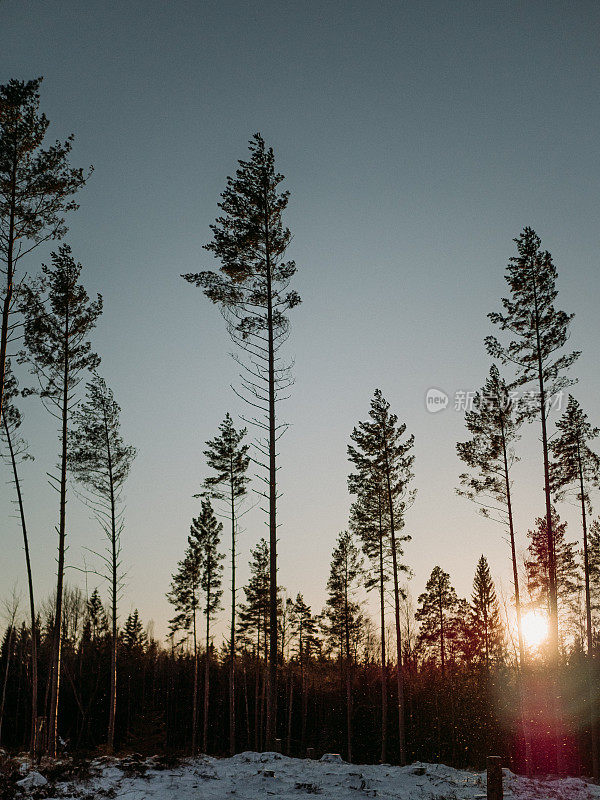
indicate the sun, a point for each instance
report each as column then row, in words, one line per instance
column 535, row 628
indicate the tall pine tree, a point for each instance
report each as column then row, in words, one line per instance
column 252, row 290
column 100, row 461
column 576, row 467
column 227, row 456
column 184, row 595
column 343, row 617
column 383, row 460
column 59, row 317
column 539, row 333
column 207, row 535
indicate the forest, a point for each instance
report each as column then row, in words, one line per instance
column 249, row 665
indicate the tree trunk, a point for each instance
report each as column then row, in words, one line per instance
column 289, row 719
column 206, row 677
column 383, row 653
column 57, row 648
column 552, row 589
column 399, row 674
column 513, row 550
column 195, row 698
column 271, row 730
column 34, row 657
column 348, row 676
column 232, row 635
column 114, row 591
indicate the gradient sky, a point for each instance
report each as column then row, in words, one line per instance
column 417, row 139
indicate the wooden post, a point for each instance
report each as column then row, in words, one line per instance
column 310, row 752
column 494, row 778
column 278, row 745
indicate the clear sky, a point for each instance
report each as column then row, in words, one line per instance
column 417, row 139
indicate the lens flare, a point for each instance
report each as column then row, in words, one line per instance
column 535, row 628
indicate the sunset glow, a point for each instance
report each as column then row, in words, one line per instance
column 535, row 628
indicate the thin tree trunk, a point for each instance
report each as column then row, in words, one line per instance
column 271, row 730
column 56, row 661
column 289, row 719
column 348, row 675
column 383, row 653
column 247, row 707
column 114, row 590
column 206, row 676
column 195, row 698
column 257, row 701
column 442, row 646
column 304, row 706
column 34, row 656
column 513, row 550
column 589, row 631
column 552, row 588
column 399, row 674
column 232, row 635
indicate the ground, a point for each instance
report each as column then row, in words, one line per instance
column 254, row 776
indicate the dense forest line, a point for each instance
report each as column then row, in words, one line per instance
column 435, row 678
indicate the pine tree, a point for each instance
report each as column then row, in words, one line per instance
column 540, row 332
column 368, row 520
column 17, row 450
column 252, row 290
column 489, row 455
column 96, row 616
column 184, row 596
column 343, row 614
column 207, row 535
column 100, row 461
column 436, row 614
column 254, row 621
column 36, row 190
column 304, row 633
column 567, row 567
column 485, row 615
column 59, row 317
column 383, row 462
column 575, row 467
column 228, row 457
column 135, row 638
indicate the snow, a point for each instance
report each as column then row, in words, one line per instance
column 32, row 780
column 254, row 776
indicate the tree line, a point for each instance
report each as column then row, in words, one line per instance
column 439, row 681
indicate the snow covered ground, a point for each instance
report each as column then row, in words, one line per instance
column 254, row 776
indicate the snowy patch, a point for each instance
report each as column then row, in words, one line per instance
column 32, row 780
column 255, row 776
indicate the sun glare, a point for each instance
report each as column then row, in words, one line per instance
column 535, row 628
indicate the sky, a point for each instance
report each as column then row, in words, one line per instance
column 417, row 140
